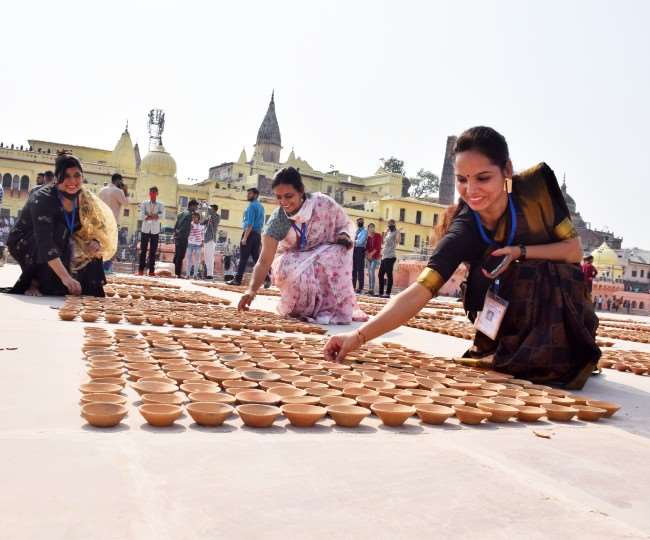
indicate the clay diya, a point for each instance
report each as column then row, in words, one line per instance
column 530, row 414
column 446, row 401
column 258, row 416
column 347, row 415
column 500, row 412
column 103, row 414
column 206, row 386
column 185, row 376
column 368, row 400
column 431, row 413
column 154, row 388
column 536, row 401
column 393, row 414
column 67, row 315
column 287, row 391
column 89, row 316
column 509, row 401
column 410, row 399
column 260, row 375
column 166, row 399
column 211, row 397
column 590, row 414
column 100, row 388
column 159, row 414
column 209, row 413
column 116, row 399
column 113, row 318
column 302, row 415
column 96, row 373
column 610, row 407
column 301, row 400
column 260, row 397
column 560, row 413
column 336, row 400
column 471, row 415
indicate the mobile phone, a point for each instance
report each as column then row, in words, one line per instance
column 494, row 264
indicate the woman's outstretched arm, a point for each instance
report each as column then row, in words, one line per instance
column 397, row 311
column 261, row 270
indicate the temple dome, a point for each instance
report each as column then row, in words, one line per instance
column 605, row 256
column 158, row 161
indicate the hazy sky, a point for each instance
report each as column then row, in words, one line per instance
column 567, row 82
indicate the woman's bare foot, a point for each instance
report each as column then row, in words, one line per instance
column 33, row 291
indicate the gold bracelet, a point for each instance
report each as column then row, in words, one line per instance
column 364, row 339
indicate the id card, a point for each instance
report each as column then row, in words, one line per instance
column 490, row 318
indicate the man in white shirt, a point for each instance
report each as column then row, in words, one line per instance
column 151, row 214
column 115, row 196
column 210, row 239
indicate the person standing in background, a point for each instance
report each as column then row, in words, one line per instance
column 359, row 256
column 388, row 259
column 373, row 254
column 210, row 239
column 115, row 196
column 228, row 263
column 151, row 214
column 589, row 271
column 181, row 234
column 251, row 240
column 194, row 243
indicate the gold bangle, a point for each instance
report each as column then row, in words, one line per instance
column 364, row 339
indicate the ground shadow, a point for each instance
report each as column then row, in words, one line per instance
column 114, row 429
column 316, row 428
column 272, row 430
column 404, row 429
column 174, row 428
column 223, row 428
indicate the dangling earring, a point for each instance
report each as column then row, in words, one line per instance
column 508, row 186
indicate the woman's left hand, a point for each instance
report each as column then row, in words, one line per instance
column 93, row 246
column 342, row 237
column 512, row 253
column 245, row 300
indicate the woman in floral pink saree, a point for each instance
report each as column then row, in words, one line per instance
column 306, row 243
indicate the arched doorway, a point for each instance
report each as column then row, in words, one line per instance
column 15, row 184
column 6, row 181
column 24, row 183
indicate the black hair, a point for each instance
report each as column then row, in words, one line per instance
column 289, row 176
column 254, row 190
column 193, row 202
column 49, row 174
column 486, row 141
column 154, row 188
column 196, row 214
column 40, row 174
column 65, row 161
column 116, row 178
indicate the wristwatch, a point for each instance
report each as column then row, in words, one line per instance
column 522, row 248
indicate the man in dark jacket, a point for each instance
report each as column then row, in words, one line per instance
column 181, row 234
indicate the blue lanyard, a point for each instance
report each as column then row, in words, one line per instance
column 302, row 235
column 490, row 242
column 69, row 217
column 513, row 225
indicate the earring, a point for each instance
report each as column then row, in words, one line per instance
column 508, row 185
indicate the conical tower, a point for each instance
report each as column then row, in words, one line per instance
column 269, row 141
column 123, row 156
column 447, row 182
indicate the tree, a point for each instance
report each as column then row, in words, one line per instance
column 425, row 184
column 394, row 165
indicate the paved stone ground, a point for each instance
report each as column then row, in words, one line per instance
column 63, row 479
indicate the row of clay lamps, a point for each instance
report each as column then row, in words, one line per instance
column 178, row 314
column 154, row 293
column 633, row 361
column 240, row 289
column 140, row 282
column 259, row 372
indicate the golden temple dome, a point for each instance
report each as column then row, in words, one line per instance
column 605, row 256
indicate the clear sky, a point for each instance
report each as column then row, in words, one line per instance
column 567, row 82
